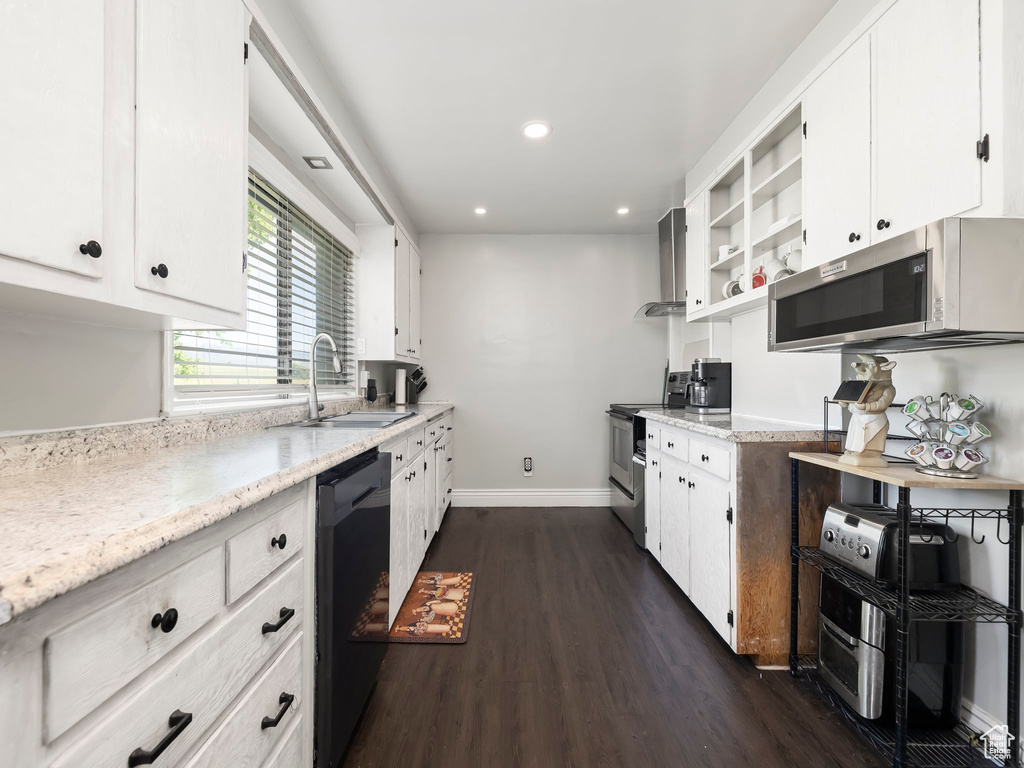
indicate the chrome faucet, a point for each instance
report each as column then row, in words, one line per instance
column 314, row 405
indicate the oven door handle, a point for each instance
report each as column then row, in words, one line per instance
column 619, row 416
column 850, row 642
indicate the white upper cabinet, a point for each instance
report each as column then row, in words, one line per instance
column 51, row 133
column 414, row 303
column 696, row 254
column 190, row 151
column 388, row 287
column 837, row 158
column 402, row 341
column 926, row 89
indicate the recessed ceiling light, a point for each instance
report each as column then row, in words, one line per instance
column 622, row 211
column 536, row 129
column 479, row 211
column 318, row 163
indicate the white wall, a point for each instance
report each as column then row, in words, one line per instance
column 533, row 337
column 64, row 374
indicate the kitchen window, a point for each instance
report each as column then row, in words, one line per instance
column 299, row 283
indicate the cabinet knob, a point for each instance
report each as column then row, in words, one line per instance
column 167, row 620
column 854, row 237
column 160, row 270
column 279, row 541
column 419, row 442
column 92, row 248
column 654, row 462
column 671, row 445
column 883, row 224
column 399, row 457
column 703, row 457
column 680, row 479
column 692, row 485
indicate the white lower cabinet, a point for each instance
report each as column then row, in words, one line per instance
column 173, row 674
column 711, row 549
column 689, row 522
column 652, row 503
column 675, row 523
column 420, row 493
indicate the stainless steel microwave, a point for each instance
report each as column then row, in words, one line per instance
column 957, row 282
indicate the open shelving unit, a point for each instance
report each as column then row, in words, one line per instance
column 903, row 745
column 727, row 206
column 760, row 188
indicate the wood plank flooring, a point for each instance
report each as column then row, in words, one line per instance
column 582, row 652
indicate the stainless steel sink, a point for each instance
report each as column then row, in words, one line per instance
column 357, row 420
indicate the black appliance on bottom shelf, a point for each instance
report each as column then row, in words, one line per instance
column 353, row 553
column 857, row 652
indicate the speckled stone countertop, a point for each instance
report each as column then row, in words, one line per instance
column 735, row 428
column 66, row 526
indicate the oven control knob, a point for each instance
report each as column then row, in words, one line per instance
column 864, row 551
column 829, row 536
column 843, row 542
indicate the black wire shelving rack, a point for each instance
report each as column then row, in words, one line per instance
column 902, row 745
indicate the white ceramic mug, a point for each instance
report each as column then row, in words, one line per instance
column 776, row 269
column 979, row 432
column 732, row 288
column 943, row 457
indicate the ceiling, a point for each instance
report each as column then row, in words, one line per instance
column 636, row 92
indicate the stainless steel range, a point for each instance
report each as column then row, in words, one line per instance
column 628, row 455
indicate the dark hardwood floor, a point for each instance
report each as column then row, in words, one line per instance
column 582, row 652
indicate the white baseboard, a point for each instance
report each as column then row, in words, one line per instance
column 531, row 497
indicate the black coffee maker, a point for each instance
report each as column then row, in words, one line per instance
column 710, row 386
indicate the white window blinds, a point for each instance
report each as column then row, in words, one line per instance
column 299, row 283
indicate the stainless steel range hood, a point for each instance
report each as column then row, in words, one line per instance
column 672, row 252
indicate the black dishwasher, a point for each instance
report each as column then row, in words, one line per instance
column 353, row 549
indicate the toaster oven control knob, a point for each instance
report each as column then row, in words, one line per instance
column 864, row 551
column 829, row 535
column 843, row 542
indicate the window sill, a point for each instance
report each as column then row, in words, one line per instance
column 207, row 406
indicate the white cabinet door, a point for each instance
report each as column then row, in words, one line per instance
column 697, row 263
column 417, row 515
column 191, row 149
column 430, row 490
column 837, row 158
column 710, row 550
column 51, row 132
column 675, row 523
column 652, row 504
column 414, row 303
column 403, row 341
column 926, row 90
column 399, row 578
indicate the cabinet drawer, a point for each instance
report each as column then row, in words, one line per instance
column 86, row 662
column 674, row 444
column 710, row 458
column 200, row 682
column 289, row 752
column 434, row 431
column 254, row 553
column 417, row 439
column 248, row 734
column 653, row 438
column 399, row 450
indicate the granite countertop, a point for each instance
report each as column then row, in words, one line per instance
column 66, row 526
column 735, row 428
